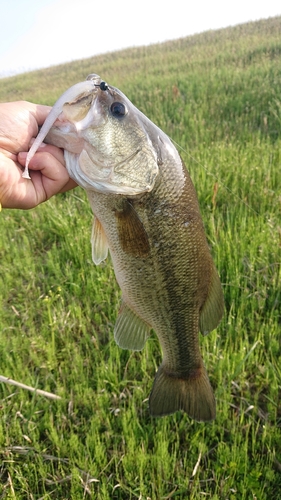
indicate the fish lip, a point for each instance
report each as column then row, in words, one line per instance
column 94, row 118
column 70, row 94
column 60, row 133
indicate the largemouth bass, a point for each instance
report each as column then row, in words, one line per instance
column 147, row 215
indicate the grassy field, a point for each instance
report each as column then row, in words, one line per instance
column 218, row 96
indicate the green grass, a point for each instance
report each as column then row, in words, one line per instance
column 218, row 96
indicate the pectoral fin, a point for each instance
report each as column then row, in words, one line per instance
column 213, row 308
column 130, row 331
column 99, row 242
column 132, row 235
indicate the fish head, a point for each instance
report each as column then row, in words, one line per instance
column 106, row 139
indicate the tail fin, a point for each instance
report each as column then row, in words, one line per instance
column 194, row 395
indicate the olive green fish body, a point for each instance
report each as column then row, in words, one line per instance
column 165, row 271
column 147, row 215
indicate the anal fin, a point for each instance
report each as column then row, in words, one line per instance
column 130, row 331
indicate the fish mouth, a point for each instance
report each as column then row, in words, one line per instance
column 63, row 134
column 75, row 92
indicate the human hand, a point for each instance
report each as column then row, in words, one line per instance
column 19, row 122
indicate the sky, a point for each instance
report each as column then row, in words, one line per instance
column 41, row 33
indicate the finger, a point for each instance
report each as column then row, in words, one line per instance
column 39, row 111
column 44, row 148
column 54, row 177
column 50, row 166
column 43, row 160
column 15, row 192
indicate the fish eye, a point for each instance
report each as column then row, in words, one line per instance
column 118, row 109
